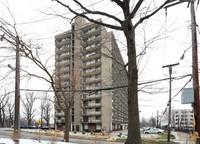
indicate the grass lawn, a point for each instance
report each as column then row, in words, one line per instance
column 149, row 141
column 161, row 139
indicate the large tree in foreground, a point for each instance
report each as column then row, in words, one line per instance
column 130, row 10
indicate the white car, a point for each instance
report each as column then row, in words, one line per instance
column 153, row 131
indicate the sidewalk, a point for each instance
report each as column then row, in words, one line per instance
column 184, row 138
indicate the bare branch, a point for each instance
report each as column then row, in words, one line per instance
column 93, row 12
column 151, row 14
column 132, row 14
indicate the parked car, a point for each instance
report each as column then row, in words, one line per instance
column 33, row 127
column 27, row 127
column 153, row 131
column 52, row 127
column 45, row 127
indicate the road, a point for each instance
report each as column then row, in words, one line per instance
column 7, row 133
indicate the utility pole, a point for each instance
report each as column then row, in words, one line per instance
column 17, row 92
column 194, row 64
column 169, row 102
column 195, row 69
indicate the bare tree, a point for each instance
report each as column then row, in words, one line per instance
column 64, row 99
column 42, row 107
column 10, row 108
column 47, row 112
column 144, row 122
column 3, row 102
column 128, row 27
column 46, row 109
column 28, row 104
column 152, row 121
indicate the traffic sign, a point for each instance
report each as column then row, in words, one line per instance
column 39, row 122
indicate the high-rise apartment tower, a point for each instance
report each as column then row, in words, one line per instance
column 93, row 54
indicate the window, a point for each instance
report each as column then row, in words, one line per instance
column 85, row 103
column 97, row 101
column 97, row 60
column 97, row 109
column 98, row 127
column 97, row 84
column 98, row 118
column 85, row 126
column 98, row 68
column 97, row 27
column 97, row 92
column 98, row 36
column 97, row 44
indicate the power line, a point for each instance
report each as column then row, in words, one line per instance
column 112, row 88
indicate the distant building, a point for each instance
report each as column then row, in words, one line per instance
column 93, row 52
column 180, row 118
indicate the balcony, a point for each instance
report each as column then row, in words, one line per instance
column 63, row 49
column 59, row 114
column 63, row 56
column 91, row 32
column 90, row 42
column 63, row 70
column 90, row 48
column 90, row 105
column 91, row 113
column 62, row 64
column 91, row 81
column 62, row 79
column 92, row 64
column 90, row 97
column 94, row 121
column 92, row 56
column 93, row 72
column 60, row 120
column 91, row 121
column 64, row 42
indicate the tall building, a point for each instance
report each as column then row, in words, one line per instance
column 93, row 54
column 180, row 118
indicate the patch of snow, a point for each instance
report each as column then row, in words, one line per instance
column 28, row 141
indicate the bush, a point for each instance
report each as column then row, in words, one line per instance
column 75, row 132
column 92, row 132
column 83, row 132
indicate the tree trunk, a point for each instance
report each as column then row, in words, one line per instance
column 10, row 119
column 47, row 120
column 0, row 116
column 133, row 112
column 67, row 118
column 41, row 116
column 29, row 120
column 4, row 117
